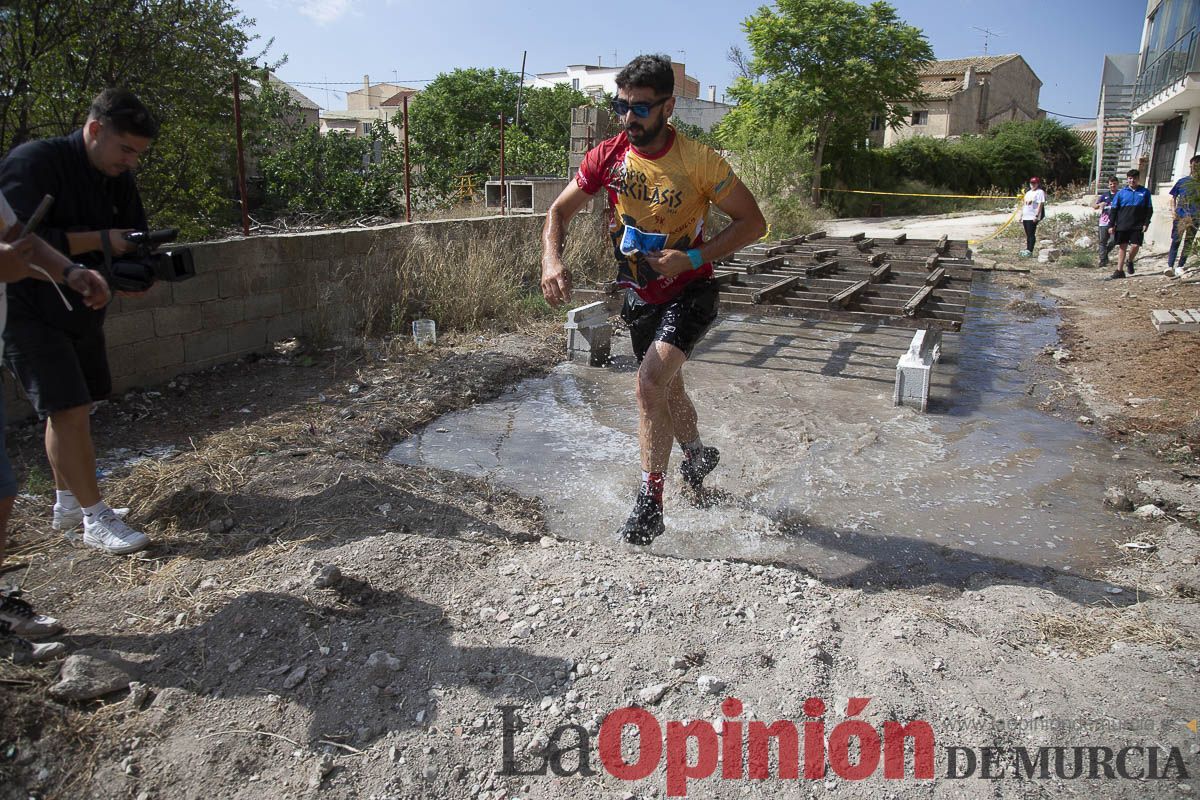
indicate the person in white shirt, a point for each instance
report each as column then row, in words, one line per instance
column 1033, row 209
column 23, row 257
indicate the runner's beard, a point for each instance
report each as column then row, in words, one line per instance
column 640, row 135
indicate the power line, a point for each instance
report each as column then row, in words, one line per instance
column 1069, row 116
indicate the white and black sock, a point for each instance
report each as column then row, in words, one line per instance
column 92, row 513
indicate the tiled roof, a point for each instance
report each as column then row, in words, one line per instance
column 294, row 93
column 398, row 97
column 957, row 66
column 1088, row 137
column 937, row 89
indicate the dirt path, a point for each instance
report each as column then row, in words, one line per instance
column 963, row 225
column 263, row 673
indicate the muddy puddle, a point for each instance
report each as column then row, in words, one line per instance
column 818, row 469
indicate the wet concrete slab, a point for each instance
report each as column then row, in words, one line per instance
column 818, row 469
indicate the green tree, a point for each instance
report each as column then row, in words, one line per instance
column 1063, row 157
column 454, row 127
column 302, row 170
column 179, row 56
column 546, row 113
column 829, row 66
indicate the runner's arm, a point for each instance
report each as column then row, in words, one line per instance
column 556, row 278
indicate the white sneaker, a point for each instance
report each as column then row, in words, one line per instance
column 22, row 620
column 109, row 533
column 22, row 651
column 67, row 519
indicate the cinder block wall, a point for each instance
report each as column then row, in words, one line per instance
column 250, row 293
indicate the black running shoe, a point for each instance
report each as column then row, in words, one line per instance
column 696, row 468
column 1129, row 268
column 645, row 522
column 1117, row 275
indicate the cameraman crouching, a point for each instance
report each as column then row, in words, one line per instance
column 58, row 355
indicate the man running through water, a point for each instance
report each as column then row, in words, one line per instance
column 660, row 185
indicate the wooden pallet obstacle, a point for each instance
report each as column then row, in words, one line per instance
column 924, row 284
column 1176, row 319
column 897, row 281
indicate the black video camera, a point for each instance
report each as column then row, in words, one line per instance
column 137, row 271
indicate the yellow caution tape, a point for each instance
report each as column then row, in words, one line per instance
column 916, row 194
column 999, row 230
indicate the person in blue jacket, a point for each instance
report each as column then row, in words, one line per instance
column 1129, row 217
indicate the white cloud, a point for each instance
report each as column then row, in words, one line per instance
column 324, row 12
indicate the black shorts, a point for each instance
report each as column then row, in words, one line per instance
column 58, row 369
column 681, row 322
column 1129, row 237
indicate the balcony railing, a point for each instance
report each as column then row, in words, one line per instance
column 1176, row 61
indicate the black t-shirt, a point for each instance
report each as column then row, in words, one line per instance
column 85, row 199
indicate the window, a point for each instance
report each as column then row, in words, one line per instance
column 366, row 129
column 876, row 123
column 920, row 118
column 575, row 84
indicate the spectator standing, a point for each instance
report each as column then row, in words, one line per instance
column 1129, row 217
column 1033, row 210
column 58, row 355
column 1183, row 222
column 1103, row 202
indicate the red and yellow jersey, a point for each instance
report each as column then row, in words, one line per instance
column 657, row 201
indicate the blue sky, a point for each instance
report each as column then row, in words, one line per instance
column 338, row 41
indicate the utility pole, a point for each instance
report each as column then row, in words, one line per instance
column 521, row 86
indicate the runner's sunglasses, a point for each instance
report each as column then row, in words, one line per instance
column 640, row 110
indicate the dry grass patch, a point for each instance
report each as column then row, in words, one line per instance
column 1095, row 630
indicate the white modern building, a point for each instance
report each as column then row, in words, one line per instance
column 1165, row 106
column 597, row 81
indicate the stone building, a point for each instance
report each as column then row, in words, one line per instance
column 967, row 95
column 374, row 104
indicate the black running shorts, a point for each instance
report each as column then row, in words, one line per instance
column 681, row 322
column 1129, row 237
column 58, row 369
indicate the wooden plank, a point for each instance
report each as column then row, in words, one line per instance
column 841, row 316
column 816, row 235
column 842, row 298
column 794, row 240
column 725, row 277
column 942, row 244
column 820, row 269
column 899, row 239
column 821, row 255
column 777, row 288
column 931, row 263
column 764, row 266
column 936, row 277
column 914, row 303
column 877, row 258
column 857, row 237
column 880, row 273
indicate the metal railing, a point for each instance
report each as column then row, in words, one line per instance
column 1176, row 61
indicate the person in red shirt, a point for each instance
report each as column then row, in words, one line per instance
column 660, row 186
